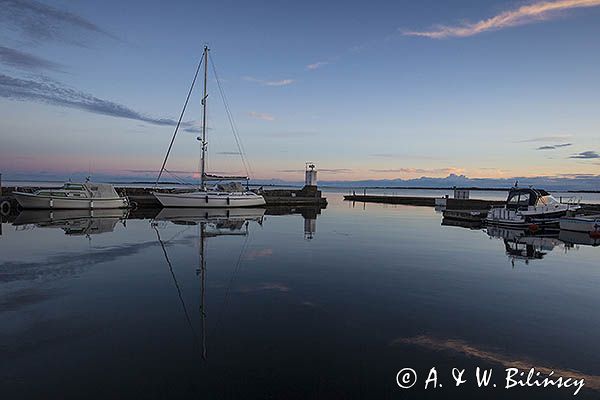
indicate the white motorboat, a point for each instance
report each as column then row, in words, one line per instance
column 220, row 196
column 581, row 223
column 529, row 207
column 72, row 196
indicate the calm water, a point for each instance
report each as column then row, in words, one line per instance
column 290, row 306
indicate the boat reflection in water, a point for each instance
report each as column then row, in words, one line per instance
column 73, row 222
column 522, row 245
column 211, row 222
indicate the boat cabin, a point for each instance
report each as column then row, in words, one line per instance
column 522, row 198
column 80, row 190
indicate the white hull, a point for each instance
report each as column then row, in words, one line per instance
column 209, row 214
column 512, row 218
column 581, row 224
column 33, row 201
column 210, row 199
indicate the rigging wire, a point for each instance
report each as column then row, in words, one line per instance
column 178, row 179
column 234, row 273
column 179, row 121
column 187, row 315
column 238, row 141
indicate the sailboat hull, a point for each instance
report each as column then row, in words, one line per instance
column 203, row 199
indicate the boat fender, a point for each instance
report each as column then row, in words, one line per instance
column 533, row 227
column 133, row 205
column 5, row 208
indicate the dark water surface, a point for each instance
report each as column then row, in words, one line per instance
column 288, row 307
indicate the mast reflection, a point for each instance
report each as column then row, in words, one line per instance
column 211, row 222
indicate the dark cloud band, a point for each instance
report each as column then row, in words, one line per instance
column 19, row 59
column 52, row 92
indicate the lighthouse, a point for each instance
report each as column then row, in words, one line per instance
column 310, row 175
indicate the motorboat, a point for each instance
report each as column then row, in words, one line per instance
column 219, row 196
column 582, row 223
column 529, row 207
column 88, row 195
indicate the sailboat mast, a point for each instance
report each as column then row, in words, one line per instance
column 203, row 144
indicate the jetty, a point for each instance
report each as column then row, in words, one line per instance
column 455, row 204
column 459, row 207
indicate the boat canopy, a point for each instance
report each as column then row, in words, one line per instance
column 524, row 197
column 103, row 190
column 230, row 187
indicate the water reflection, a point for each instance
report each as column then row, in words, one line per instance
column 278, row 316
column 211, row 222
column 522, row 245
column 72, row 222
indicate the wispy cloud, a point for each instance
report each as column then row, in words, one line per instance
column 274, row 286
column 21, row 60
column 56, row 93
column 403, row 156
column 449, row 170
column 281, row 82
column 545, row 139
column 152, row 171
column 254, row 254
column 42, row 22
column 261, row 116
column 462, row 348
column 229, row 153
column 291, row 134
column 317, row 65
column 586, row 155
column 554, row 146
column 539, row 11
column 326, row 170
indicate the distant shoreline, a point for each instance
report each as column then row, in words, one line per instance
column 32, row 183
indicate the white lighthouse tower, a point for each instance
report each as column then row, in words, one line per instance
column 310, row 175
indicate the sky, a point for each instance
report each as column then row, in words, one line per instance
column 366, row 90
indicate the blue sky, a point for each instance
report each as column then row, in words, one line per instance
column 366, row 90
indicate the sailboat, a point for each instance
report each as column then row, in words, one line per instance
column 222, row 195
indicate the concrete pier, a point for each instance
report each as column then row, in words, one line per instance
column 307, row 196
column 455, row 204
